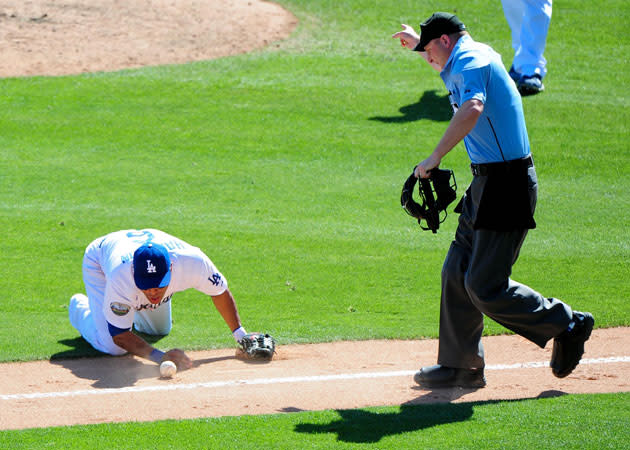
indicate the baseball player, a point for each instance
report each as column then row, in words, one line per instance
column 496, row 213
column 529, row 23
column 130, row 277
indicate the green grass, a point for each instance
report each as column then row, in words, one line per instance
column 574, row 422
column 286, row 166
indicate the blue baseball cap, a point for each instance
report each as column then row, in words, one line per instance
column 151, row 266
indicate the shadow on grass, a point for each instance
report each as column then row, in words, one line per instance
column 80, row 348
column 430, row 106
column 361, row 426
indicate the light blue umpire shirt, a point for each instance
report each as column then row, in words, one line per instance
column 475, row 71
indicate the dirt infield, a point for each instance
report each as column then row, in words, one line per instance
column 54, row 38
column 341, row 375
column 43, row 37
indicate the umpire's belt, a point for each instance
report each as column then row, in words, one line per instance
column 501, row 167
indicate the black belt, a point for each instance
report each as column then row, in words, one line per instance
column 487, row 169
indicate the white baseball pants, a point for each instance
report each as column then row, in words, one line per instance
column 529, row 22
column 86, row 313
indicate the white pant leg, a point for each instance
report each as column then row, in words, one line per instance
column 534, row 38
column 86, row 314
column 529, row 21
column 80, row 316
column 156, row 321
column 514, row 11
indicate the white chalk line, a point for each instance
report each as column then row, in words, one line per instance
column 301, row 379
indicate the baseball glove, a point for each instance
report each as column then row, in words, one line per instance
column 258, row 346
column 435, row 193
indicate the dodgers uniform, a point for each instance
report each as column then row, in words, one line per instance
column 115, row 304
column 496, row 213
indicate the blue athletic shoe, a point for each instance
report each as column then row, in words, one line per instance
column 514, row 74
column 530, row 85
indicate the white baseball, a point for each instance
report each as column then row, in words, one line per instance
column 168, row 369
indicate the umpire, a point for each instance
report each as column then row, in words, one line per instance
column 495, row 214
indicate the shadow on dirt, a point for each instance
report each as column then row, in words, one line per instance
column 429, row 410
column 111, row 372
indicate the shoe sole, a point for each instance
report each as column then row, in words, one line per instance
column 589, row 322
column 462, row 382
column 525, row 91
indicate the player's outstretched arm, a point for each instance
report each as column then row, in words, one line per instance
column 226, row 305
column 135, row 345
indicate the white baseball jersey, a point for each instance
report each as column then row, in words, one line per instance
column 191, row 268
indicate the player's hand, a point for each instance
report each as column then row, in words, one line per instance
column 181, row 360
column 408, row 37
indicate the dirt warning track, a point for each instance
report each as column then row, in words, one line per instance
column 340, row 375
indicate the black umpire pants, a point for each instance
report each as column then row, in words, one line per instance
column 476, row 282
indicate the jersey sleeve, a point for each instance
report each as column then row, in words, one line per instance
column 474, row 83
column 210, row 280
column 118, row 311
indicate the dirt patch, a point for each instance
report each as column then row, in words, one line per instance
column 48, row 37
column 340, row 375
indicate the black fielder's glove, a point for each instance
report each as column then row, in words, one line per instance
column 257, row 346
column 435, row 194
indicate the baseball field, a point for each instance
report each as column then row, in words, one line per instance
column 277, row 137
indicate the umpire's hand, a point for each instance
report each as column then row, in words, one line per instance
column 408, row 37
column 422, row 169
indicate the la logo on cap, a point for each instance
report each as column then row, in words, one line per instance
column 151, row 266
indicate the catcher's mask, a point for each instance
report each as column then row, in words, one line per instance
column 435, row 194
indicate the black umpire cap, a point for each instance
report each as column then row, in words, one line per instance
column 435, row 26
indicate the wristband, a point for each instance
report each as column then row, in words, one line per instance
column 156, row 356
column 239, row 333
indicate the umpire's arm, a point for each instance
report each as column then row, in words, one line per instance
column 460, row 125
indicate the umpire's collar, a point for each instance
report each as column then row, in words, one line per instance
column 449, row 62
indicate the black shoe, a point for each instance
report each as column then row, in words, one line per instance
column 444, row 377
column 530, row 85
column 568, row 347
column 514, row 74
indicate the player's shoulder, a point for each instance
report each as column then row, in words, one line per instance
column 121, row 273
column 189, row 256
column 472, row 55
